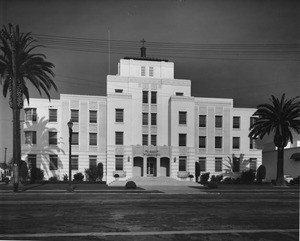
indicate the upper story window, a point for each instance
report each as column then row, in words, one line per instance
column 30, row 114
column 52, row 115
column 118, row 91
column 218, row 142
column 145, row 140
column 119, row 115
column 93, row 116
column 75, row 138
column 235, row 142
column 202, row 141
column 153, row 97
column 253, row 120
column 145, row 119
column 202, row 120
column 119, row 138
column 153, row 140
column 145, row 97
column 179, row 93
column 53, row 164
column 151, row 71
column 218, row 121
column 253, row 144
column 182, row 117
column 52, row 138
column 143, row 71
column 182, row 140
column 236, row 122
column 93, row 139
column 30, row 137
column 75, row 115
column 153, row 119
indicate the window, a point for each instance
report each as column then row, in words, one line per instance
column 182, row 139
column 145, row 97
column 236, row 122
column 151, row 71
column 30, row 114
column 153, row 119
column 143, row 71
column 93, row 116
column 153, row 97
column 202, row 120
column 53, row 164
column 253, row 120
column 236, row 143
column 52, row 138
column 145, row 140
column 92, row 161
column 30, row 137
column 182, row 163
column 75, row 138
column 218, row 121
column 253, row 164
column 145, row 119
column 202, row 141
column 75, row 115
column 153, row 140
column 119, row 162
column 31, row 161
column 182, row 117
column 119, row 115
column 253, row 144
column 218, row 142
column 179, row 93
column 202, row 163
column 93, row 139
column 118, row 91
column 218, row 164
column 74, row 162
column 119, row 138
column 52, row 115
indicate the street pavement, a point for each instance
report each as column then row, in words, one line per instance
column 41, row 212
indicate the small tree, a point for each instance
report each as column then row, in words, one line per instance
column 78, row 176
column 23, row 171
column 261, row 173
column 100, row 171
column 36, row 174
column 234, row 163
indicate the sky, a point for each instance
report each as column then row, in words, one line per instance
column 245, row 50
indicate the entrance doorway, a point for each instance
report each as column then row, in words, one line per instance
column 165, row 167
column 151, row 167
column 138, row 167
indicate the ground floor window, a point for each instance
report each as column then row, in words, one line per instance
column 119, row 162
column 53, row 164
column 182, row 163
column 74, row 162
column 31, row 161
column 92, row 161
column 253, row 164
column 202, row 163
column 218, row 164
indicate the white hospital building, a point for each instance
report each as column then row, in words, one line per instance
column 147, row 125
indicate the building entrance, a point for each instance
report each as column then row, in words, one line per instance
column 151, row 167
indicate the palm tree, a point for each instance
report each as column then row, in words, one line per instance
column 280, row 118
column 19, row 64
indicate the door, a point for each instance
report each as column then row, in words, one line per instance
column 150, row 169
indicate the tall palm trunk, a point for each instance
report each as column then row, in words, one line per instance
column 280, row 179
column 16, row 147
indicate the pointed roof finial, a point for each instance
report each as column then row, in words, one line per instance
column 143, row 41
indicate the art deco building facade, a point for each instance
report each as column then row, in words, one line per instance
column 147, row 125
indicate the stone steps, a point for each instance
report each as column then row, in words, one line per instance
column 154, row 181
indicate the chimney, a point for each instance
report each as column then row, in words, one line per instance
column 143, row 52
column 143, row 49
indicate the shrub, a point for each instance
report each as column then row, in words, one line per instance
column 78, row 176
column 116, row 175
column 130, row 185
column 23, row 171
column 238, row 180
column 247, row 177
column 36, row 174
column 219, row 178
column 261, row 173
column 212, row 185
column 65, row 177
column 53, row 179
column 91, row 174
column 100, row 171
column 227, row 180
column 191, row 176
column 204, row 177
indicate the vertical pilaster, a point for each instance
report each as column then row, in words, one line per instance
column 145, row 166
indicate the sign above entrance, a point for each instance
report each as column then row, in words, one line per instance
column 151, row 153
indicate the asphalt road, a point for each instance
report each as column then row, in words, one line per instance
column 212, row 215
